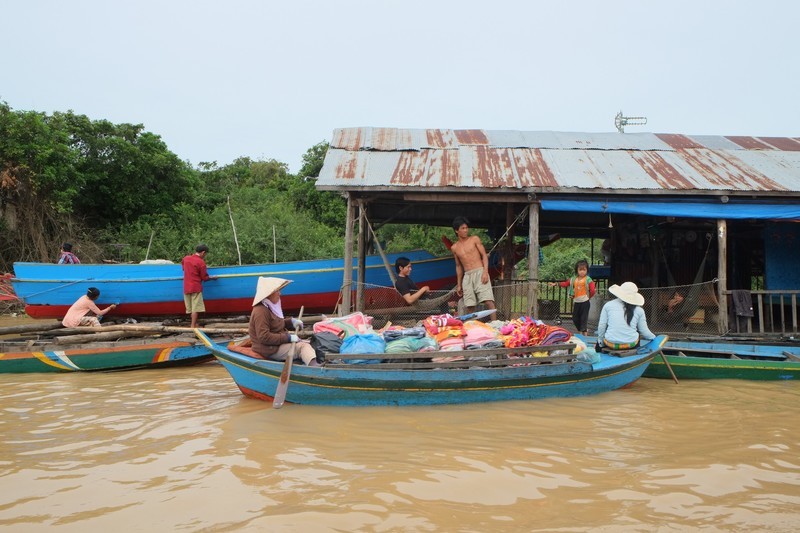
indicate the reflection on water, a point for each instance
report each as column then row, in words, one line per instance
column 182, row 449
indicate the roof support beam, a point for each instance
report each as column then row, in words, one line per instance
column 347, row 276
column 722, row 274
column 467, row 197
column 533, row 259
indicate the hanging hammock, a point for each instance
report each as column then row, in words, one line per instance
column 691, row 301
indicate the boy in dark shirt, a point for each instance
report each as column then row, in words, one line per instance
column 404, row 284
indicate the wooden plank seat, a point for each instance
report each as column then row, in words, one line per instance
column 723, row 354
column 494, row 357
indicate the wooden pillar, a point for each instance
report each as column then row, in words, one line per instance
column 504, row 291
column 533, row 260
column 347, row 276
column 362, row 254
column 508, row 254
column 722, row 274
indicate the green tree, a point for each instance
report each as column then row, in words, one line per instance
column 326, row 207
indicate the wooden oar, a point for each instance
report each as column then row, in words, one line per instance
column 669, row 367
column 283, row 384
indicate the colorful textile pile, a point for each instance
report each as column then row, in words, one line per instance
column 526, row 331
column 479, row 335
column 411, row 344
column 446, row 330
column 351, row 324
column 397, row 332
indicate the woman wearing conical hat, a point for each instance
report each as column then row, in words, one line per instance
column 269, row 329
column 622, row 320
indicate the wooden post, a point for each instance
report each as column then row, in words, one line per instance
column 362, row 254
column 386, row 265
column 533, row 260
column 722, row 274
column 347, row 277
column 504, row 292
column 508, row 254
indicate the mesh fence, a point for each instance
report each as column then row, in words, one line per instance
column 684, row 308
column 676, row 309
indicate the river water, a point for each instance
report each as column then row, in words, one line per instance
column 182, row 449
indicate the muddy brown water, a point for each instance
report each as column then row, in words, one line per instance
column 182, row 449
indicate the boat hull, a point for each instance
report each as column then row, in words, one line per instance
column 107, row 358
column 713, row 360
column 142, row 290
column 369, row 385
column 708, row 368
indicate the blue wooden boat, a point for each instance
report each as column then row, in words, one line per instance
column 142, row 290
column 16, row 358
column 728, row 360
column 412, row 379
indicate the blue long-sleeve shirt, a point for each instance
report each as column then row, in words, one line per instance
column 615, row 329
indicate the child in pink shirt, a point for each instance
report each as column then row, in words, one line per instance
column 84, row 311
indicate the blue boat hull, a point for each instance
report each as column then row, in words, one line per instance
column 157, row 289
column 372, row 386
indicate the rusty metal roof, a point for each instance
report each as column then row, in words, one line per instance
column 549, row 161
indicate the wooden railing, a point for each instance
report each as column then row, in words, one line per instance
column 774, row 312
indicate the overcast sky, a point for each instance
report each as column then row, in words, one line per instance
column 265, row 79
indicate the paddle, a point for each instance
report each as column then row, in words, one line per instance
column 669, row 367
column 283, row 384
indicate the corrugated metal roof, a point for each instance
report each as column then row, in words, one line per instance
column 391, row 158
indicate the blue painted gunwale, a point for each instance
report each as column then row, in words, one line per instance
column 48, row 289
column 365, row 385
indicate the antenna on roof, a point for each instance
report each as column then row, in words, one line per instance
column 620, row 122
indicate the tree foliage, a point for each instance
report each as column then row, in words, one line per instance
column 117, row 192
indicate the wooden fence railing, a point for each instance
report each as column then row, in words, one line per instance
column 774, row 312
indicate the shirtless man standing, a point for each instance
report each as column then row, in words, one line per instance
column 472, row 268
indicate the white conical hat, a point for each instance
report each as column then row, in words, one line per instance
column 267, row 286
column 628, row 292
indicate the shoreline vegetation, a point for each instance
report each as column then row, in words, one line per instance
column 118, row 194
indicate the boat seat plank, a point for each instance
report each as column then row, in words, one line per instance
column 466, row 354
column 669, row 350
column 483, row 363
column 791, row 356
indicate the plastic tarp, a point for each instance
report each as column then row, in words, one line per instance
column 772, row 211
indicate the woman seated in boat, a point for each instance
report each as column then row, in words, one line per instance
column 405, row 285
column 622, row 321
column 269, row 329
column 84, row 312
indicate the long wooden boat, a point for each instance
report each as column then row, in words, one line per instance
column 485, row 375
column 157, row 289
column 727, row 360
column 16, row 357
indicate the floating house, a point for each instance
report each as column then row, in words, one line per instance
column 713, row 221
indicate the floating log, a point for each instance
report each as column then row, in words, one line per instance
column 154, row 329
column 25, row 328
column 96, row 337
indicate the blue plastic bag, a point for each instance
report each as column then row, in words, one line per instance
column 363, row 343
